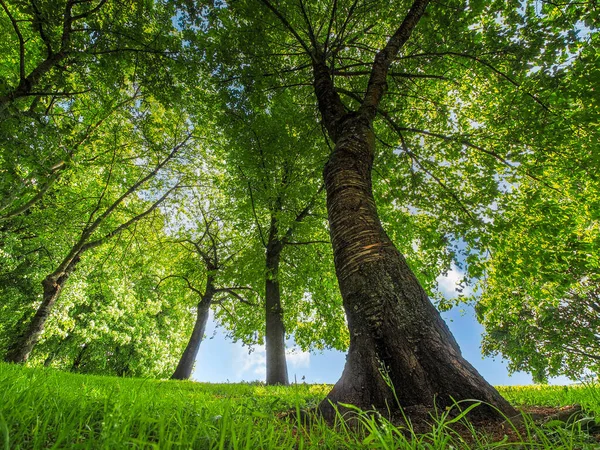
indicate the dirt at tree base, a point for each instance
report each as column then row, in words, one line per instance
column 421, row 421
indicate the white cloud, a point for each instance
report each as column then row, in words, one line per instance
column 447, row 284
column 250, row 365
column 297, row 359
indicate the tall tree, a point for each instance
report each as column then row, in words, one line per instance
column 539, row 281
column 211, row 249
column 111, row 319
column 280, row 180
column 66, row 67
column 415, row 71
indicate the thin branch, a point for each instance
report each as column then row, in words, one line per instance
column 311, row 33
column 21, row 41
column 89, row 12
column 139, row 183
column 486, row 64
column 190, row 285
column 40, row 28
column 287, row 25
column 348, row 73
column 302, row 214
column 330, row 25
column 127, row 224
column 377, row 82
column 307, row 242
column 237, row 296
column 260, row 231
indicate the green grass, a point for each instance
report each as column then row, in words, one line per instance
column 44, row 408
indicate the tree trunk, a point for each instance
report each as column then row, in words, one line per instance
column 79, row 358
column 275, row 331
column 186, row 363
column 21, row 347
column 394, row 329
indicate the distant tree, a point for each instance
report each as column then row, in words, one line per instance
column 111, row 319
column 207, row 267
column 274, row 169
column 539, row 276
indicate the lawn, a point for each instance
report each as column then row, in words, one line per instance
column 44, row 408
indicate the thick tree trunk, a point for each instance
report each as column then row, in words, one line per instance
column 275, row 331
column 186, row 363
column 394, row 329
column 23, row 345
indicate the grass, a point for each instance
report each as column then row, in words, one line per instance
column 44, row 408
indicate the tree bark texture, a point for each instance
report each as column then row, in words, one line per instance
column 275, row 331
column 186, row 363
column 395, row 331
column 23, row 344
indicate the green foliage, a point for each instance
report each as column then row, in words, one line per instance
column 273, row 152
column 487, row 156
column 112, row 319
column 474, row 99
column 540, row 277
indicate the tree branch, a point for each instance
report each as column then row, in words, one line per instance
column 21, row 41
column 378, row 80
column 287, row 25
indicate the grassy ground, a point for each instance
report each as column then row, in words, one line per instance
column 43, row 408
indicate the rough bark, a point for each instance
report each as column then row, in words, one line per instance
column 186, row 363
column 275, row 331
column 23, row 345
column 395, row 331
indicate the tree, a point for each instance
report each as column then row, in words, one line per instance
column 67, row 66
column 214, row 246
column 119, row 188
column 112, row 320
column 393, row 326
column 61, row 45
column 539, row 280
column 276, row 185
column 538, row 268
column 452, row 152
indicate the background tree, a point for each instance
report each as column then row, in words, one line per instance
column 277, row 187
column 112, row 319
column 208, row 260
column 67, row 65
column 539, row 280
column 131, row 158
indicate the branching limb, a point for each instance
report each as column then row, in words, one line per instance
column 21, row 41
column 378, row 80
column 287, row 25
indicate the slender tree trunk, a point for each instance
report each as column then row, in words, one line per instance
column 23, row 344
column 79, row 358
column 394, row 329
column 275, row 331
column 186, row 363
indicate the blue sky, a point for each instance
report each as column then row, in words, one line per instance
column 220, row 360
